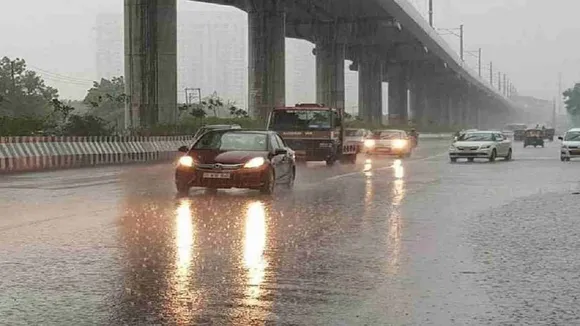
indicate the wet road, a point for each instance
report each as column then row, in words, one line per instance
column 417, row 242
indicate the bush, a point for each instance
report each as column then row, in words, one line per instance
column 23, row 126
column 85, row 125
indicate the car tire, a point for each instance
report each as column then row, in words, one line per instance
column 290, row 183
column 563, row 158
column 470, row 159
column 330, row 161
column 493, row 156
column 268, row 186
column 453, row 159
column 182, row 188
column 509, row 155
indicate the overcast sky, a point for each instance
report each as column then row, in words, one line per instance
column 530, row 40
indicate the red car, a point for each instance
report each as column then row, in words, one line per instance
column 236, row 158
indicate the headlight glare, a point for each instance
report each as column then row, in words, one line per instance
column 256, row 162
column 186, row 161
column 369, row 143
column 399, row 143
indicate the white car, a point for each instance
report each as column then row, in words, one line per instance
column 570, row 145
column 481, row 144
column 389, row 142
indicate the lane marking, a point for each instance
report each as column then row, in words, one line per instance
column 340, row 176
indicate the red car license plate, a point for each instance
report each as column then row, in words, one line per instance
column 216, row 175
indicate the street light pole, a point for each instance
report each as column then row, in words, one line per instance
column 431, row 13
column 461, row 41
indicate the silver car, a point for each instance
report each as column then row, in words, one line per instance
column 487, row 145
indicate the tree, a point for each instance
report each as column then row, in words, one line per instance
column 572, row 100
column 107, row 100
column 237, row 112
column 24, row 93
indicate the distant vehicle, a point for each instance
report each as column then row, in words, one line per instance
column 515, row 131
column 462, row 132
column 207, row 128
column 534, row 137
column 570, row 145
column 315, row 133
column 481, row 144
column 549, row 133
column 230, row 158
column 358, row 136
column 389, row 142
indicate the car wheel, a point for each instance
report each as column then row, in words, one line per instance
column 453, row 159
column 290, row 183
column 182, row 188
column 352, row 159
column 330, row 161
column 470, row 159
column 509, row 155
column 268, row 186
column 525, row 145
column 493, row 156
column 562, row 158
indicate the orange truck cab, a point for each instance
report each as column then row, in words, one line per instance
column 315, row 132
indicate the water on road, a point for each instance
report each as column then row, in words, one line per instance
column 417, row 241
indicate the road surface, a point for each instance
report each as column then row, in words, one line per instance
column 417, row 242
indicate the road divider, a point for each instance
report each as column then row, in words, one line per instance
column 19, row 154
column 22, row 154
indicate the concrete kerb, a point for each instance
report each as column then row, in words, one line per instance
column 22, row 154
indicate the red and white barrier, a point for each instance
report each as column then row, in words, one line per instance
column 41, row 153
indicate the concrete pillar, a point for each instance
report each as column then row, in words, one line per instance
column 418, row 97
column 330, row 56
column 266, row 59
column 398, row 78
column 150, row 62
column 370, row 79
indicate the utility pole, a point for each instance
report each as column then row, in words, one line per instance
column 431, row 13
column 12, row 77
column 499, row 80
column 491, row 73
column 479, row 62
column 554, row 114
column 560, row 93
column 461, row 41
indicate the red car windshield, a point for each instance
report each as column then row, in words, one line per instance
column 232, row 141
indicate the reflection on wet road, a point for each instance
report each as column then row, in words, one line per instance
column 383, row 242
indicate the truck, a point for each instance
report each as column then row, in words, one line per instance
column 315, row 132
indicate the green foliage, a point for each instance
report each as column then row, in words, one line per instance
column 23, row 91
column 22, row 126
column 107, row 101
column 85, row 125
column 572, row 100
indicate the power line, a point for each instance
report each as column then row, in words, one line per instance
column 56, row 75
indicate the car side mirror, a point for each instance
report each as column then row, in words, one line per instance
column 183, row 149
column 281, row 151
column 561, row 138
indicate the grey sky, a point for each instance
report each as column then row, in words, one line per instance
column 531, row 40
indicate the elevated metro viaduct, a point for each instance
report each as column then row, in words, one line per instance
column 387, row 41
